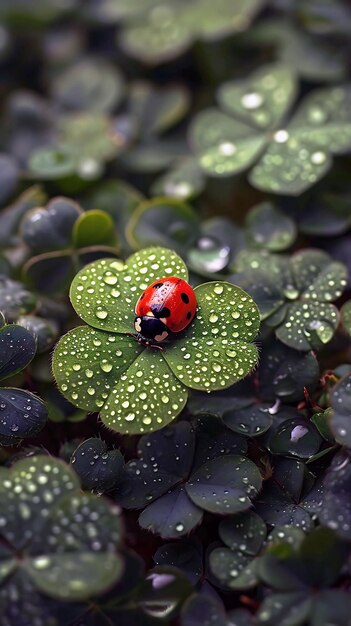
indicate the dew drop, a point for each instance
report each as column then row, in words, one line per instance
column 281, row 136
column 227, row 148
column 41, row 562
column 106, row 367
column 218, row 289
column 318, row 158
column 110, row 278
column 101, row 314
column 252, row 101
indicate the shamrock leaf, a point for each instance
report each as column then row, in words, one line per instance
column 97, row 467
column 184, row 554
column 285, row 373
column 137, row 389
column 178, row 477
column 157, row 38
column 63, row 238
column 91, row 84
column 234, row 565
column 15, row 299
column 185, row 180
column 22, row 414
column 115, row 287
column 295, row 294
column 148, row 378
column 269, row 228
column 85, row 141
column 163, row 220
column 201, row 609
column 289, row 157
column 335, row 511
column 301, row 582
column 340, row 418
column 282, row 499
column 42, row 556
column 211, row 354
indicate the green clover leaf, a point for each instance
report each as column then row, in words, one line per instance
column 289, row 157
column 84, row 143
column 295, row 294
column 55, row 539
column 101, row 366
column 211, row 354
column 156, row 37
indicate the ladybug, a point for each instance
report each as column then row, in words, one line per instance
column 167, row 306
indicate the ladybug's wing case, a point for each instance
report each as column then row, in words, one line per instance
column 171, row 300
column 183, row 306
column 155, row 297
column 163, row 301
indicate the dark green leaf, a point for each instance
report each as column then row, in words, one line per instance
column 263, row 99
column 270, row 228
column 91, row 84
column 185, row 555
column 225, row 485
column 201, row 610
column 93, row 228
column 170, row 451
column 341, row 405
column 17, row 349
column 22, row 415
column 97, row 467
column 244, row 532
column 251, row 421
column 235, row 570
column 171, row 516
column 15, row 299
column 296, row 437
column 165, row 221
column 50, row 228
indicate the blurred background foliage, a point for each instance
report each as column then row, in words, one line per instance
column 222, row 130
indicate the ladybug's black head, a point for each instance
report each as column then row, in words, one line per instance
column 151, row 328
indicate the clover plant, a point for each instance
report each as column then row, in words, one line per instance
column 101, row 367
column 22, row 414
column 157, row 36
column 290, row 157
column 62, row 238
column 44, row 558
column 295, row 294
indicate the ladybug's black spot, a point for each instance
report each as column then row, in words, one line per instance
column 184, row 297
column 164, row 312
column 188, row 315
column 157, row 286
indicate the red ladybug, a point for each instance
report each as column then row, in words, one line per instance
column 167, row 306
